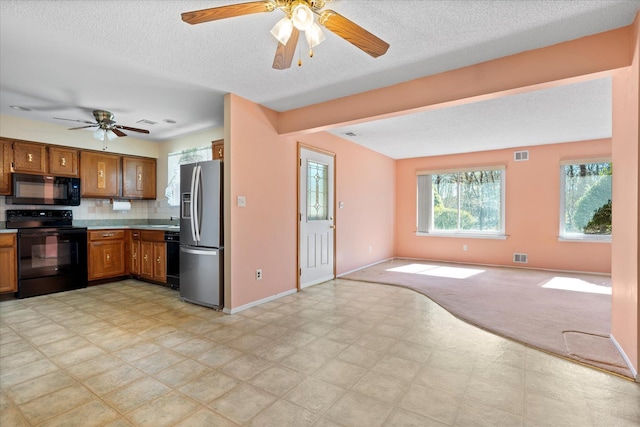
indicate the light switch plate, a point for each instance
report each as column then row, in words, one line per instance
column 242, row 201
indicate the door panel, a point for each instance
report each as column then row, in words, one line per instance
column 316, row 217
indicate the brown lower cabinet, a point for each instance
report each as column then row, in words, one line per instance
column 116, row 253
column 134, row 253
column 8, row 263
column 150, row 251
column 106, row 254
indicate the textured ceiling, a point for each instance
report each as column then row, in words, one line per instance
column 140, row 61
column 575, row 112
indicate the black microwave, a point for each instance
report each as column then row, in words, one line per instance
column 44, row 190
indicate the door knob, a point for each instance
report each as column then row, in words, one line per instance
column 332, row 226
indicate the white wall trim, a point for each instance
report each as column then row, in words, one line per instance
column 634, row 373
column 258, row 302
column 556, row 270
column 365, row 266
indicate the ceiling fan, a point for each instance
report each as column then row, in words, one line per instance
column 299, row 16
column 107, row 129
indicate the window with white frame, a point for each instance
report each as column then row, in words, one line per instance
column 468, row 201
column 586, row 203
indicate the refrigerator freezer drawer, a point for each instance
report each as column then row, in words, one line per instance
column 201, row 278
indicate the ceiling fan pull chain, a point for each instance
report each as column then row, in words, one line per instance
column 299, row 56
column 310, row 53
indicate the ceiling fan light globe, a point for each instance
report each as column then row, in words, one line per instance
column 110, row 135
column 314, row 36
column 302, row 17
column 98, row 134
column 282, row 30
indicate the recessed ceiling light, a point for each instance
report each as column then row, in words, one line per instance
column 19, row 108
column 171, row 121
column 147, row 122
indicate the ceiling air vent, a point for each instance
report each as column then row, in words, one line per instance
column 147, row 122
column 521, row 156
column 350, row 134
column 520, row 258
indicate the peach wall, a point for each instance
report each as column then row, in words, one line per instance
column 365, row 183
column 261, row 165
column 532, row 202
column 625, row 320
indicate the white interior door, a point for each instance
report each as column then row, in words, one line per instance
column 316, row 217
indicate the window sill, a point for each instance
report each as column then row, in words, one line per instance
column 465, row 235
column 585, row 239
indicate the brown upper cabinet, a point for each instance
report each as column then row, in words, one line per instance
column 5, row 167
column 63, row 161
column 218, row 149
column 139, row 178
column 100, row 175
column 29, row 157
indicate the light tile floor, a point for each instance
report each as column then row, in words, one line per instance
column 337, row 354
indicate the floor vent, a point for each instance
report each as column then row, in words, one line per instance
column 521, row 156
column 521, row 258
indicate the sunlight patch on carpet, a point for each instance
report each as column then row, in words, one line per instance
column 437, row 271
column 576, row 285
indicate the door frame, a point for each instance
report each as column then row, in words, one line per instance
column 335, row 210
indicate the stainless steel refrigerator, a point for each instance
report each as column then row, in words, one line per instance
column 201, row 235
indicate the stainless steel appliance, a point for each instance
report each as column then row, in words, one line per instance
column 52, row 254
column 44, row 190
column 173, row 258
column 201, row 237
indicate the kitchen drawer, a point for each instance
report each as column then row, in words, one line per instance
column 7, row 239
column 106, row 235
column 152, row 235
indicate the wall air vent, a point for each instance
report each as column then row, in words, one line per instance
column 521, row 156
column 520, row 258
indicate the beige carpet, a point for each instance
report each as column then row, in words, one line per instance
column 565, row 314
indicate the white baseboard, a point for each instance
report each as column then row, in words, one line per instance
column 634, row 373
column 366, row 266
column 258, row 302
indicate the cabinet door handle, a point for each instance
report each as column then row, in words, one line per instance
column 63, row 161
column 108, row 257
column 107, row 234
column 145, row 257
column 158, row 260
column 134, row 256
column 139, row 177
column 30, row 158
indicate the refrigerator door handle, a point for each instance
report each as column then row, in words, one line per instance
column 191, row 205
column 198, row 252
column 196, row 216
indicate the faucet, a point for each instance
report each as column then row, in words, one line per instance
column 174, row 218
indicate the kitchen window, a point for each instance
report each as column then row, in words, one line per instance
column 464, row 202
column 586, row 202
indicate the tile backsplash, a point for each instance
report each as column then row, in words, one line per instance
column 99, row 210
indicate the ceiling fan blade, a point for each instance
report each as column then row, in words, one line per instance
column 84, row 127
column 222, row 12
column 74, row 120
column 353, row 33
column 118, row 131
column 284, row 53
column 128, row 128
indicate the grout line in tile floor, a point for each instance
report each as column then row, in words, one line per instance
column 342, row 353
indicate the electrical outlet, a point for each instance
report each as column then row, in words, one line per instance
column 464, row 248
column 370, row 249
column 259, row 274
